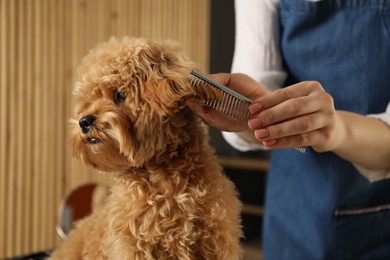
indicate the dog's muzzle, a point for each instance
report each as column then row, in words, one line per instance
column 86, row 123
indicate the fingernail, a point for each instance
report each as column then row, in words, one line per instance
column 254, row 108
column 261, row 133
column 254, row 123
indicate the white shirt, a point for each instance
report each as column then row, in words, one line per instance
column 257, row 54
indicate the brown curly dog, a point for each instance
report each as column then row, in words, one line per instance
column 170, row 199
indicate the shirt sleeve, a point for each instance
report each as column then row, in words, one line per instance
column 240, row 144
column 256, row 52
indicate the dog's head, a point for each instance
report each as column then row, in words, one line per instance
column 129, row 95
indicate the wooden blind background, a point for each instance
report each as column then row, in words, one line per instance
column 41, row 44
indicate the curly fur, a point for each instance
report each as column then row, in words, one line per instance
column 170, row 199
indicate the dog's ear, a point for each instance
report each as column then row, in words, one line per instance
column 166, row 86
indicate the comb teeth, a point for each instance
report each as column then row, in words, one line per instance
column 301, row 149
column 232, row 104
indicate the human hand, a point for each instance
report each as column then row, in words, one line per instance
column 299, row 115
column 240, row 83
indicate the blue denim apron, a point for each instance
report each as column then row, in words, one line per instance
column 318, row 206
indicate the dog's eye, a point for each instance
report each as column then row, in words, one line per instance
column 119, row 97
column 93, row 140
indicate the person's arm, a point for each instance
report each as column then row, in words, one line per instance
column 304, row 115
column 256, row 48
column 317, row 120
column 256, row 53
column 375, row 175
column 366, row 141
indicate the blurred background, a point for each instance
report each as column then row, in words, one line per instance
column 41, row 45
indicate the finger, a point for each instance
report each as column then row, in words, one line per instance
column 284, row 111
column 214, row 118
column 288, row 142
column 205, row 113
column 195, row 106
column 301, row 140
column 298, row 90
column 299, row 125
column 315, row 139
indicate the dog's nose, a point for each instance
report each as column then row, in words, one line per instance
column 86, row 123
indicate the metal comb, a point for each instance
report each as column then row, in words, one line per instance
column 231, row 103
